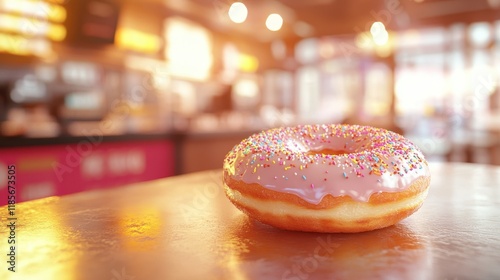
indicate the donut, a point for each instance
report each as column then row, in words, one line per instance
column 326, row 178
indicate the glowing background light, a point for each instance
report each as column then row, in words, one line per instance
column 188, row 49
column 248, row 63
column 376, row 28
column 238, row 12
column 35, row 8
column 132, row 39
column 382, row 38
column 274, row 22
column 379, row 33
column 20, row 45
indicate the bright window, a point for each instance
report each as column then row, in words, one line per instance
column 188, row 49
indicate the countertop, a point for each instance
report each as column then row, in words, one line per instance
column 183, row 227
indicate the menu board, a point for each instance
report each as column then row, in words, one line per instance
column 28, row 27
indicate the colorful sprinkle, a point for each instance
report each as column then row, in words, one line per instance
column 367, row 153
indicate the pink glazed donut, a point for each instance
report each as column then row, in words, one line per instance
column 326, row 178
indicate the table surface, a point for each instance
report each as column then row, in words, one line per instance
column 184, row 228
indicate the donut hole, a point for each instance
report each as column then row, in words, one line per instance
column 327, row 152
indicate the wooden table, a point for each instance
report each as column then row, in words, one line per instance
column 184, row 228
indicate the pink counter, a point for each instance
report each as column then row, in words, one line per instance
column 62, row 169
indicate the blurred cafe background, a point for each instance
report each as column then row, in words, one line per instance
column 101, row 93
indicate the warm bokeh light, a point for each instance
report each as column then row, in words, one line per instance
column 379, row 33
column 38, row 9
column 381, row 39
column 415, row 88
column 246, row 88
column 32, row 27
column 246, row 93
column 158, row 69
column 248, row 63
column 57, row 13
column 136, row 40
column 364, row 41
column 376, row 28
column 274, row 22
column 19, row 45
column 480, row 34
column 188, row 49
column 238, row 12
column 56, row 32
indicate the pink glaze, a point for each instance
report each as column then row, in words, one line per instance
column 375, row 160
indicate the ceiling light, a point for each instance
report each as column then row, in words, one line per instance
column 238, row 12
column 379, row 33
column 274, row 22
column 377, row 28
